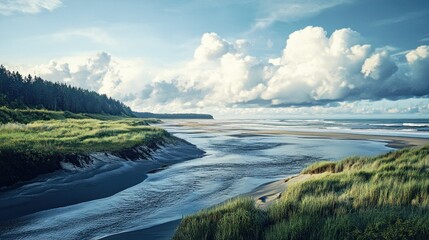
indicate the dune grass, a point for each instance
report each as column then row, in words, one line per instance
column 77, row 135
column 235, row 219
column 52, row 132
column 383, row 197
column 39, row 147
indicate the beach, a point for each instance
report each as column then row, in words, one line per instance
column 391, row 140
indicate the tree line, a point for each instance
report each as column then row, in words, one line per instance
column 17, row 91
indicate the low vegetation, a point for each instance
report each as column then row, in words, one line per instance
column 235, row 219
column 383, row 197
column 27, row 150
column 8, row 115
column 77, row 135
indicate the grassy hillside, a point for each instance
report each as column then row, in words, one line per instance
column 383, row 197
column 8, row 115
column 38, row 147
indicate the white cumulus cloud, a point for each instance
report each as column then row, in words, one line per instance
column 315, row 67
column 212, row 47
column 100, row 72
column 417, row 76
column 379, row 66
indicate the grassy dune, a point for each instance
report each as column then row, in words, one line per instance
column 38, row 147
column 77, row 135
column 383, row 197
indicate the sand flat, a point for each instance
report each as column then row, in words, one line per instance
column 391, row 141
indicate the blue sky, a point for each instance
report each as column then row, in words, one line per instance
column 153, row 54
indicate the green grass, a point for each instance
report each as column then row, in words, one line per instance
column 8, row 115
column 235, row 219
column 77, row 135
column 383, row 197
column 39, row 146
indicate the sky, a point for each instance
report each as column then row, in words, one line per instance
column 235, row 58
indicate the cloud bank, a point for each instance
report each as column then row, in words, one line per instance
column 9, row 7
column 313, row 69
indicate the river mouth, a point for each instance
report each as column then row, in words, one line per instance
column 234, row 164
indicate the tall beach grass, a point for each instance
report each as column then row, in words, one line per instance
column 383, row 197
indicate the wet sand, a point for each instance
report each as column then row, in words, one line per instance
column 267, row 194
column 391, row 141
column 163, row 231
column 63, row 188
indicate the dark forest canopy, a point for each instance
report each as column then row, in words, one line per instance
column 17, row 91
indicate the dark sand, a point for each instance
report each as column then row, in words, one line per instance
column 62, row 188
column 160, row 232
column 268, row 193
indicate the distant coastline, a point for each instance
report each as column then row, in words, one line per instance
column 172, row 115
